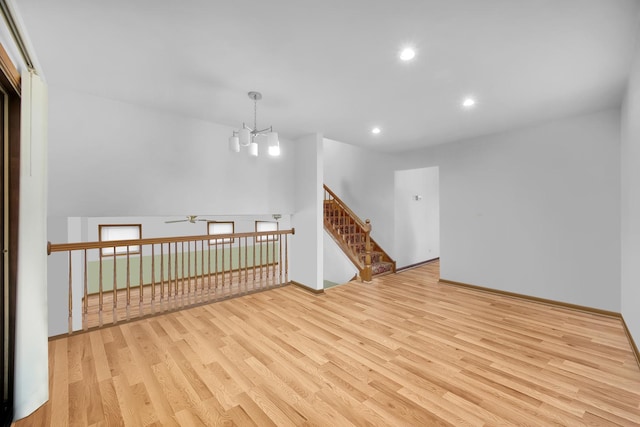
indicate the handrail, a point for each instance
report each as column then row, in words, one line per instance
column 362, row 258
column 168, row 273
column 345, row 207
column 63, row 247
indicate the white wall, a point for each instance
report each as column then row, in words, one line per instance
column 363, row 179
column 31, row 347
column 306, row 266
column 338, row 268
column 417, row 216
column 110, row 158
column 156, row 226
column 534, row 211
column 57, row 273
column 630, row 156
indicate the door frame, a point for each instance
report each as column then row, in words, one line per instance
column 10, row 135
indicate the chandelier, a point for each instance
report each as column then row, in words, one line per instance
column 247, row 137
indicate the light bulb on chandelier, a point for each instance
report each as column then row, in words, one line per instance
column 273, row 143
column 247, row 137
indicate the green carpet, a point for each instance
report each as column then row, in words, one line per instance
column 329, row 284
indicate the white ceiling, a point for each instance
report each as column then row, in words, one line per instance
column 331, row 66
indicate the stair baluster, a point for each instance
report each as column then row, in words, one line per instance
column 354, row 238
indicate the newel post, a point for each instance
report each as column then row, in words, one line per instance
column 367, row 273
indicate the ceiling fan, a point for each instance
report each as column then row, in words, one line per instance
column 190, row 218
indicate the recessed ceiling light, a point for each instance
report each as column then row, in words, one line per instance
column 375, row 131
column 407, row 54
column 468, row 102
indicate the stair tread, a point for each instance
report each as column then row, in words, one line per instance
column 381, row 268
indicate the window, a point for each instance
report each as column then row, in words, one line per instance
column 220, row 227
column 266, row 226
column 120, row 232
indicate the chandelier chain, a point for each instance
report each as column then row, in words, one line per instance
column 255, row 114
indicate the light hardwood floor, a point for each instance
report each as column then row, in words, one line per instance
column 180, row 294
column 403, row 350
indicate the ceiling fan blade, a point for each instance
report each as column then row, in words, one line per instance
column 178, row 220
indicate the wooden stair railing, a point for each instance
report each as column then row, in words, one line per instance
column 353, row 236
column 169, row 273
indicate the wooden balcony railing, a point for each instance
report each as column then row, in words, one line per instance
column 149, row 276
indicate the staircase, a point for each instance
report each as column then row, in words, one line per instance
column 354, row 238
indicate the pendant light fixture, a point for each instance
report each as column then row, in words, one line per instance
column 247, row 137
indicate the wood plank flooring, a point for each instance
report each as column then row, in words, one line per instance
column 402, row 350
